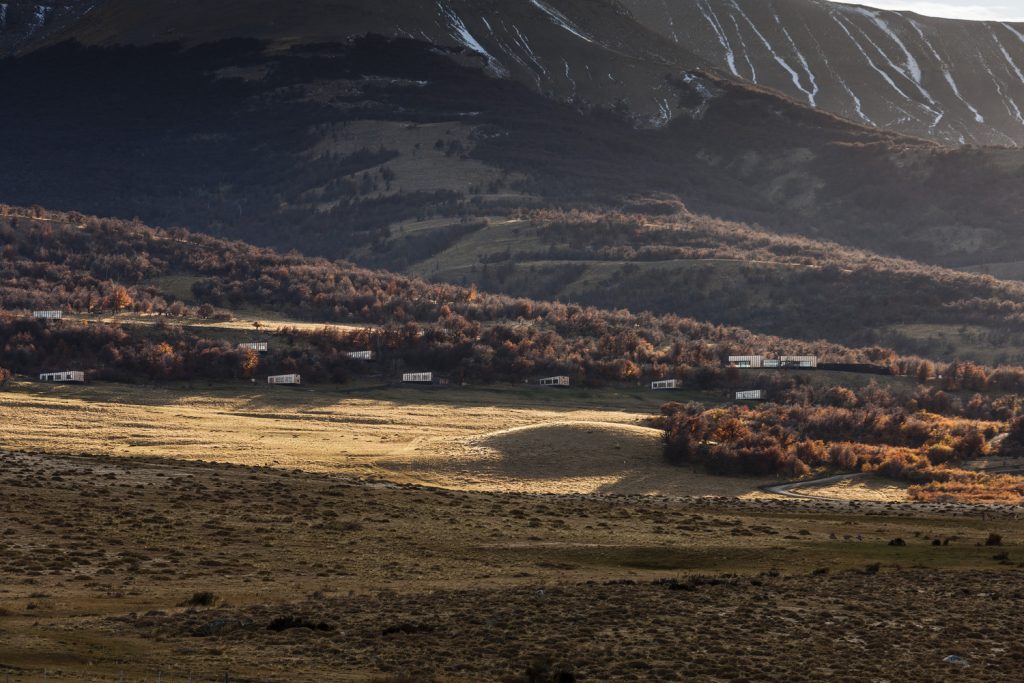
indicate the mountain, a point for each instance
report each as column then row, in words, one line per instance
column 26, row 22
column 413, row 155
column 955, row 82
column 587, row 51
column 380, row 130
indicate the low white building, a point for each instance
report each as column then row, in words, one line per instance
column 284, row 379
column 752, row 395
column 260, row 347
column 664, row 384
column 48, row 315
column 561, row 381
column 772, row 363
column 799, row 361
column 360, row 355
column 418, row 378
column 746, row 361
column 66, row 376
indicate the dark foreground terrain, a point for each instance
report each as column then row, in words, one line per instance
column 201, row 569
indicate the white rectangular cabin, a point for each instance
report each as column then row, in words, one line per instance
column 746, row 361
column 799, row 361
column 360, row 355
column 418, row 378
column 561, row 381
column 284, row 379
column 259, row 347
column 772, row 363
column 752, row 395
column 66, row 376
column 48, row 315
column 664, row 384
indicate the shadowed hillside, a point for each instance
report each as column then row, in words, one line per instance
column 953, row 81
column 193, row 137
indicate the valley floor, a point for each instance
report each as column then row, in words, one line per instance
column 499, row 438
column 371, row 532
column 146, row 565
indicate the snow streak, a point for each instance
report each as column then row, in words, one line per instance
column 746, row 52
column 813, row 95
column 946, row 73
column 910, row 70
column 709, row 14
column 792, row 73
column 1011, row 106
column 560, row 20
column 463, row 35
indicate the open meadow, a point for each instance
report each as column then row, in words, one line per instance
column 503, row 438
column 463, row 534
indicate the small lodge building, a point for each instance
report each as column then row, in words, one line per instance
column 560, row 381
column 360, row 355
column 746, row 361
column 799, row 361
column 259, row 347
column 752, row 395
column 48, row 315
column 418, row 378
column 68, row 376
column 284, row 379
column 665, row 384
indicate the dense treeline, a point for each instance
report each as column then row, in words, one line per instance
column 86, row 264
column 737, row 275
column 924, row 439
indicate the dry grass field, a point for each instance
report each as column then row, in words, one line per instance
column 146, row 565
column 467, row 534
column 522, row 439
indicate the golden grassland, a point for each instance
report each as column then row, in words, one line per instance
column 504, row 438
column 458, row 534
column 247, row 324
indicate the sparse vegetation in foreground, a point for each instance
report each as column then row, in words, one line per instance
column 314, row 575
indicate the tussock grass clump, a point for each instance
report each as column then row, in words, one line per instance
column 202, row 599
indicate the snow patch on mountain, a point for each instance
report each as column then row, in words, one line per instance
column 781, row 62
column 712, row 18
column 463, row 36
column 560, row 20
column 746, row 52
column 946, row 73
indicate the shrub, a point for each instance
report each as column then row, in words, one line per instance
column 202, row 599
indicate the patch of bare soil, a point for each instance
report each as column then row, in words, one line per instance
column 876, row 489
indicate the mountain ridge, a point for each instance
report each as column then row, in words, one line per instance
column 951, row 81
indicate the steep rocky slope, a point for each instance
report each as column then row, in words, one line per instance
column 27, row 22
column 952, row 81
column 955, row 81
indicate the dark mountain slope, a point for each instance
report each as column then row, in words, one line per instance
column 569, row 49
column 195, row 138
column 24, row 23
column 954, row 81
